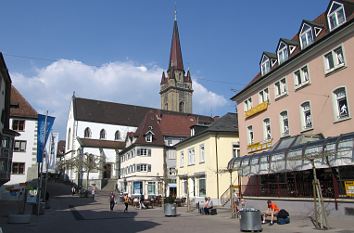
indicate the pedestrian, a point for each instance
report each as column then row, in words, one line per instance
column 236, row 202
column 73, row 190
column 272, row 211
column 142, row 206
column 112, row 201
column 126, row 202
column 93, row 192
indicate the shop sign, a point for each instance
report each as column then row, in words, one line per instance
column 349, row 188
column 257, row 109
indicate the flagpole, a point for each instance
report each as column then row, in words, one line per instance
column 46, row 168
column 39, row 192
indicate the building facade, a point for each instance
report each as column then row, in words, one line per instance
column 299, row 107
column 23, row 119
column 202, row 162
column 6, row 134
column 176, row 86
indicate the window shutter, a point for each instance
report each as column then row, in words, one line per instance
column 139, row 151
column 138, row 167
column 148, row 152
column 149, row 168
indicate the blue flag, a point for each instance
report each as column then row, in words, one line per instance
column 41, row 140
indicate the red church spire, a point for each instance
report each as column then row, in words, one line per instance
column 176, row 61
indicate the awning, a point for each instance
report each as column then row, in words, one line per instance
column 296, row 153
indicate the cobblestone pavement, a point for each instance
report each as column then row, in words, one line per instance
column 72, row 214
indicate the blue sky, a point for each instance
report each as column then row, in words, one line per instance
column 116, row 50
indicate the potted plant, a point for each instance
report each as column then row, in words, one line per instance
column 170, row 206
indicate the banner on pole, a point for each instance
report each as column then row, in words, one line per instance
column 51, row 152
column 43, row 133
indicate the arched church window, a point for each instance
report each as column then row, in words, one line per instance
column 87, row 133
column 117, row 135
column 181, row 106
column 103, row 134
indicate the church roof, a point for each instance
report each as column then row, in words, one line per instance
column 21, row 108
column 95, row 143
column 176, row 61
column 123, row 114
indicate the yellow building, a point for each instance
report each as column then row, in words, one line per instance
column 202, row 161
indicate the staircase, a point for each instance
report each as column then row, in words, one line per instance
column 110, row 185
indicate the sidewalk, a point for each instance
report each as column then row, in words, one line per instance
column 73, row 214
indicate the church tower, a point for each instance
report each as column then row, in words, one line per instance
column 176, row 86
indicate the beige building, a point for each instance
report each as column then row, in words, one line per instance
column 202, row 161
column 299, row 105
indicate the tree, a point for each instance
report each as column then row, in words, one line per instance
column 83, row 163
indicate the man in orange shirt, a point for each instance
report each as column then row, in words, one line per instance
column 271, row 211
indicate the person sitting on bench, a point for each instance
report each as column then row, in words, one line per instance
column 208, row 204
column 271, row 211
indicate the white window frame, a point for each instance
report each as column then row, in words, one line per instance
column 248, row 104
column 284, row 123
column 335, row 14
column 265, row 65
column 306, row 120
column 340, row 112
column 191, row 156
column 308, row 36
column 264, row 95
column 301, row 77
column 236, row 152
column 181, row 159
column 337, row 58
column 20, row 146
column 283, row 52
column 280, row 88
column 202, row 153
column 250, row 135
column 267, row 130
column 148, row 137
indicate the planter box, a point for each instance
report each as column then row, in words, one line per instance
column 170, row 209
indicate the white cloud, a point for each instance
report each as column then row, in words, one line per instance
column 51, row 88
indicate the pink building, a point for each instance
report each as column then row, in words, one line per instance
column 299, row 103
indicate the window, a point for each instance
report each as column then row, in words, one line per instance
column 341, row 104
column 248, row 104
column 283, row 53
column 306, row 116
column 148, row 137
column 18, row 168
column 280, row 88
column 18, row 125
column 143, row 167
column 181, row 107
column 284, row 124
column 263, row 96
column 181, row 160
column 20, row 146
column 250, row 134
column 301, row 77
column 265, row 65
column 202, row 153
column 87, row 133
column 334, row 59
column 117, row 135
column 103, row 134
column 306, row 36
column 191, row 156
column 336, row 15
column 202, row 187
column 151, row 188
column 236, row 150
column 266, row 129
column 144, row 152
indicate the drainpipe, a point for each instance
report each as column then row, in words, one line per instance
column 217, row 165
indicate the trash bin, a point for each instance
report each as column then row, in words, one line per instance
column 250, row 220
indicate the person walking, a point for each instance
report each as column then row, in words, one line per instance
column 112, row 201
column 73, row 190
column 93, row 192
column 142, row 206
column 126, row 202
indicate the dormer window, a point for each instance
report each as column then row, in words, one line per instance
column 306, row 36
column 103, row 134
column 148, row 137
column 265, row 65
column 283, row 53
column 335, row 15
